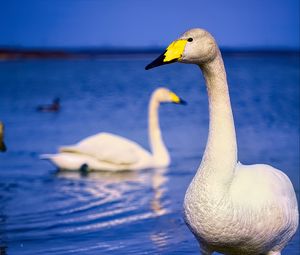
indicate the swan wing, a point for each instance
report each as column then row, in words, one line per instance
column 265, row 190
column 263, row 182
column 75, row 161
column 107, row 147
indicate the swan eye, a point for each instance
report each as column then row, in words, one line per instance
column 190, row 39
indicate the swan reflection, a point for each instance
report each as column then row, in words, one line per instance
column 115, row 198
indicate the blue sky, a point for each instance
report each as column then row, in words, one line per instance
column 146, row 23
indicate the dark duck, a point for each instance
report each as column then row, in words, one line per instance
column 54, row 107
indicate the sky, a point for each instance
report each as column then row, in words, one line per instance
column 147, row 23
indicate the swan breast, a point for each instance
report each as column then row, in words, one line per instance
column 258, row 212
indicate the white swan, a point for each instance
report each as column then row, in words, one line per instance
column 109, row 152
column 230, row 208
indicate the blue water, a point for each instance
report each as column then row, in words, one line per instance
column 47, row 212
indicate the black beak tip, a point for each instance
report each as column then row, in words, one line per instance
column 183, row 102
column 147, row 67
column 159, row 61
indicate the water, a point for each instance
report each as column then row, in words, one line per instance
column 45, row 212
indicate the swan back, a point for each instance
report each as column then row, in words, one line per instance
column 109, row 148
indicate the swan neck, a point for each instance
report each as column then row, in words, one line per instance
column 158, row 148
column 220, row 156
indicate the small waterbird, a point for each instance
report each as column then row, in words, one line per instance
column 54, row 107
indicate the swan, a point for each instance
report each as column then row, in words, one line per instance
column 230, row 208
column 2, row 144
column 109, row 152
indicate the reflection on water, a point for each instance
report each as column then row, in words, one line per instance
column 42, row 212
column 160, row 239
column 2, row 229
column 107, row 188
column 158, row 180
column 76, row 205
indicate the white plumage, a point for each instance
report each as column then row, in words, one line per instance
column 109, row 152
column 231, row 208
column 102, row 151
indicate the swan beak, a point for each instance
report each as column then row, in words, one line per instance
column 172, row 54
column 177, row 100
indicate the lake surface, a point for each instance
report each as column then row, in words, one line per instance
column 43, row 211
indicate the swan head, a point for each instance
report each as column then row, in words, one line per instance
column 195, row 46
column 164, row 95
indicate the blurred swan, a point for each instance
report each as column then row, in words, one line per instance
column 54, row 107
column 109, row 152
column 2, row 144
column 230, row 208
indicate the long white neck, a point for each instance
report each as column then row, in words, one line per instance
column 220, row 156
column 158, row 148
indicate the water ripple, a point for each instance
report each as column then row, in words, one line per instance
column 76, row 205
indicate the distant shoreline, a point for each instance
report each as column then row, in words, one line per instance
column 34, row 53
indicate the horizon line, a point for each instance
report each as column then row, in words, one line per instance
column 7, row 53
column 134, row 48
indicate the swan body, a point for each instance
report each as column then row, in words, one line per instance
column 109, row 152
column 2, row 144
column 231, row 208
column 103, row 151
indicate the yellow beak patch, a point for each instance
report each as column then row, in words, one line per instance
column 175, row 50
column 174, row 98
